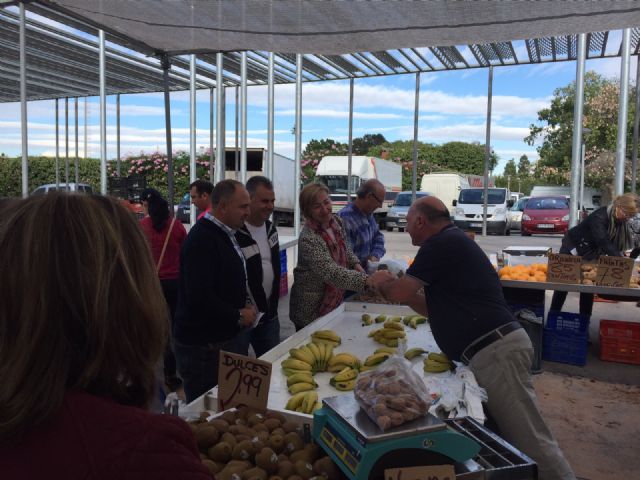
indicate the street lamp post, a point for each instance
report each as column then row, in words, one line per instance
column 585, row 131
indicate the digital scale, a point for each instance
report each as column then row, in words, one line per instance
column 363, row 451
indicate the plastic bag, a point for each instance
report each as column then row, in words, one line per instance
column 392, row 394
column 394, row 265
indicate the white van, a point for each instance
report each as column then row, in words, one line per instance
column 63, row 187
column 468, row 210
column 445, row 186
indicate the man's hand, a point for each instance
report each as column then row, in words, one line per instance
column 249, row 314
column 358, row 268
column 380, row 277
column 373, row 258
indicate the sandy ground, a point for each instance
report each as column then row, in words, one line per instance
column 597, row 424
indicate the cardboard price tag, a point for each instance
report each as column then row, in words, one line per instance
column 563, row 268
column 432, row 472
column 243, row 381
column 614, row 271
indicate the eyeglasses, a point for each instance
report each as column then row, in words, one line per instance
column 376, row 197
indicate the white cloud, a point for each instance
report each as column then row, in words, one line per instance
column 327, row 113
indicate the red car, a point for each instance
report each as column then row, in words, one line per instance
column 545, row 215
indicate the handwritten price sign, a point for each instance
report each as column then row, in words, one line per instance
column 563, row 268
column 243, row 381
column 614, row 271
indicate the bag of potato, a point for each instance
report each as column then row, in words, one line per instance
column 392, row 394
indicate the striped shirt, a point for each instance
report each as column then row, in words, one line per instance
column 363, row 234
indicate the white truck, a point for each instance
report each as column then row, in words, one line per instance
column 332, row 171
column 445, row 186
column 468, row 211
column 592, row 197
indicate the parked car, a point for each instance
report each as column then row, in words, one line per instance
column 397, row 215
column 63, row 187
column 545, row 215
column 514, row 214
column 183, row 210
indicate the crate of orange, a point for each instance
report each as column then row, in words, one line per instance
column 536, row 272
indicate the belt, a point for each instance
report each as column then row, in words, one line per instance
column 486, row 340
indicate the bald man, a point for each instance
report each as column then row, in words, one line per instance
column 472, row 324
column 365, row 238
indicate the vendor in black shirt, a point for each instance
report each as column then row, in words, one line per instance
column 472, row 323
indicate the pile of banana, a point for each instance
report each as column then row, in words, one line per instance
column 414, row 320
column 345, row 379
column 311, row 358
column 304, row 402
column 437, row 363
column 367, row 320
column 372, row 361
column 326, row 337
column 390, row 333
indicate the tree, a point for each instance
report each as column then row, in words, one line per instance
column 510, row 169
column 524, row 166
column 362, row 145
column 313, row 153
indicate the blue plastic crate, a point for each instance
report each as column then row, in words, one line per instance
column 564, row 346
column 283, row 261
column 567, row 322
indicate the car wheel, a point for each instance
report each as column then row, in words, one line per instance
column 525, row 234
column 401, row 229
column 507, row 232
column 389, row 229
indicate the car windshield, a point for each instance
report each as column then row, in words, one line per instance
column 404, row 199
column 519, row 207
column 338, row 183
column 186, row 199
column 548, row 204
column 476, row 196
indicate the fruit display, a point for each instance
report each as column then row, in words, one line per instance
column 437, row 363
column 245, row 444
column 536, row 272
column 326, row 337
column 389, row 334
column 588, row 273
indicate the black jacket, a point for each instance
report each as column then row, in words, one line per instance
column 591, row 236
column 254, row 268
column 212, row 287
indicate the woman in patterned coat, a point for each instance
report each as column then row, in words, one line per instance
column 326, row 265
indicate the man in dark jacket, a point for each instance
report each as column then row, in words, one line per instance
column 258, row 239
column 214, row 304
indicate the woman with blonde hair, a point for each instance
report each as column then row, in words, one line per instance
column 82, row 328
column 326, row 264
column 604, row 232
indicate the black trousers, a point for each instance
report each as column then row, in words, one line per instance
column 170, row 290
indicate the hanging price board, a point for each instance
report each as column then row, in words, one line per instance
column 614, row 271
column 563, row 268
column 243, row 381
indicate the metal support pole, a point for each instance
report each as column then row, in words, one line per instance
column 66, row 143
column 76, row 160
column 118, row 134
column 487, row 152
column 577, row 129
column 414, row 169
column 86, row 109
column 621, row 143
column 23, row 102
column 636, row 124
column 166, row 65
column 298, row 148
column 243, row 117
column 237, row 143
column 57, row 146
column 350, row 157
column 270, row 118
column 582, row 172
column 219, row 172
column 192, row 129
column 103, row 117
column 211, row 119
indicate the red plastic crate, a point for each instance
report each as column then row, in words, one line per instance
column 620, row 341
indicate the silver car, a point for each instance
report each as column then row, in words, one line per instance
column 514, row 215
column 397, row 215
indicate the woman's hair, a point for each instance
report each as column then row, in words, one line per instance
column 80, row 308
column 308, row 197
column 628, row 203
column 158, row 211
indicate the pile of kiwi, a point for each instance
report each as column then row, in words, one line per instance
column 244, row 444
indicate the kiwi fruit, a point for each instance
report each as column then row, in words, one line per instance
column 285, row 468
column 255, row 419
column 304, row 469
column 242, row 438
column 276, row 415
column 282, row 458
column 275, row 477
column 261, row 427
column 325, row 466
column 303, row 455
column 295, row 477
column 229, row 416
column 220, row 452
column 263, row 436
column 289, row 427
column 255, row 472
column 258, row 444
column 221, row 425
column 204, row 416
column 278, row 431
column 230, row 473
column 315, row 452
column 293, row 442
column 267, row 459
column 243, row 464
column 229, row 438
column 243, row 451
column 211, row 465
column 276, row 443
column 206, row 436
column 272, row 423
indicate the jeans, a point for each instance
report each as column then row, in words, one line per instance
column 263, row 338
column 586, row 299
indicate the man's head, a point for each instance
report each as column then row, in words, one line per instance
column 262, row 199
column 370, row 196
column 200, row 192
column 426, row 217
column 230, row 203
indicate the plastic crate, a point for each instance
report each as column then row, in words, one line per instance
column 620, row 341
column 284, row 280
column 565, row 338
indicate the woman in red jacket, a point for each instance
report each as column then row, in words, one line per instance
column 165, row 235
column 82, row 326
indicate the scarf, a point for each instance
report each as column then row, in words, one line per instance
column 332, row 296
column 619, row 232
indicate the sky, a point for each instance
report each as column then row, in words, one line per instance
column 453, row 107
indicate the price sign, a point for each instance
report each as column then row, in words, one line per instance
column 243, row 381
column 432, row 472
column 614, row 271
column 563, row 268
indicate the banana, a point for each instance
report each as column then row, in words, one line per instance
column 376, row 359
column 406, row 319
column 366, row 368
column 292, row 371
column 344, row 386
column 414, row 352
column 390, row 334
column 319, row 341
column 297, row 364
column 393, row 325
column 317, row 406
column 389, row 350
column 380, row 318
column 302, row 355
column 304, row 377
column 366, row 319
column 420, row 319
column 413, row 324
column 396, row 319
column 309, row 401
column 315, row 351
column 344, row 375
column 295, row 401
column 344, row 358
column 431, row 366
column 329, row 335
column 321, row 364
column 391, row 342
column 438, row 357
column 307, row 351
column 300, row 387
column 328, row 355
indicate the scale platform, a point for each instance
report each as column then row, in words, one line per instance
column 363, row 451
